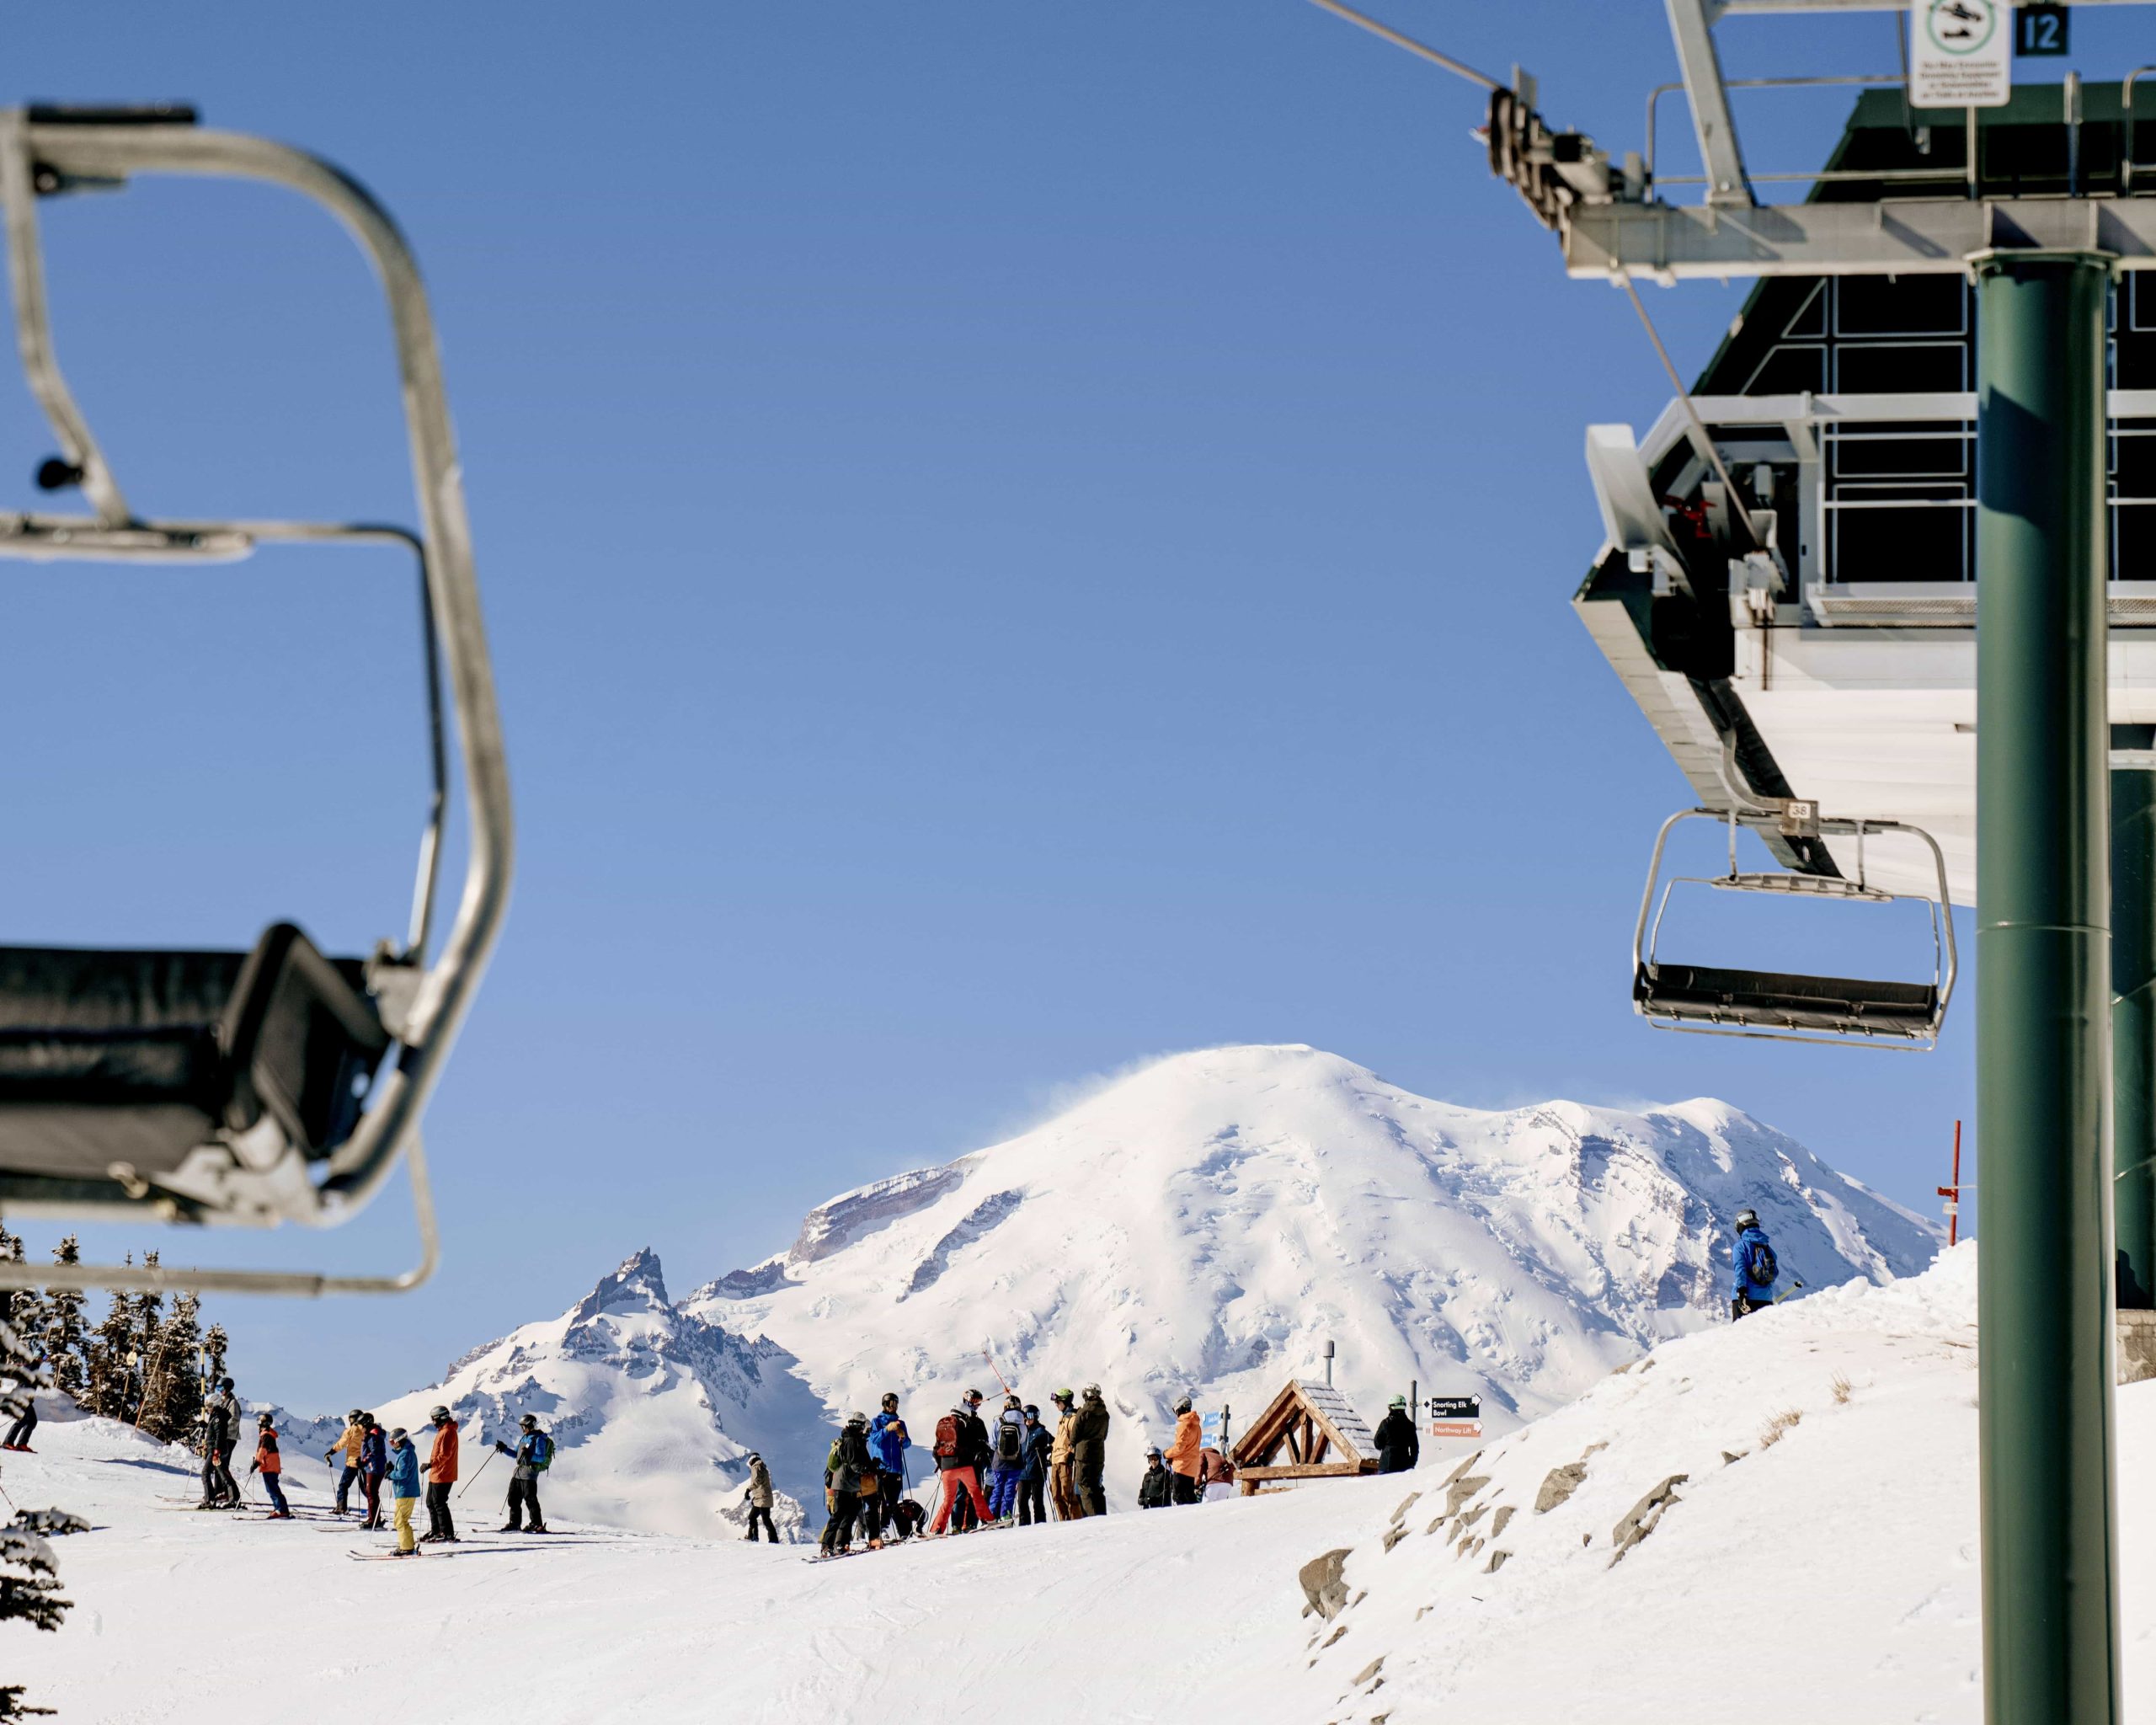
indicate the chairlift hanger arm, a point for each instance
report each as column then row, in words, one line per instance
column 46, row 152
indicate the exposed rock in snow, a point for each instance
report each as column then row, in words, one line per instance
column 1201, row 1227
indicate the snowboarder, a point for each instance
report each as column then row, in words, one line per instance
column 1182, row 1454
column 374, row 1465
column 534, row 1455
column 1062, row 1487
column 403, row 1489
column 1089, row 1451
column 1154, row 1491
column 1032, row 1508
column 217, row 1418
column 269, row 1464
column 1398, row 1447
column 758, row 1498
column 957, row 1460
column 888, row 1438
column 1754, row 1267
column 348, row 1447
column 441, row 1475
column 1008, row 1461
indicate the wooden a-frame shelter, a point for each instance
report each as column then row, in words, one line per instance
column 1313, row 1427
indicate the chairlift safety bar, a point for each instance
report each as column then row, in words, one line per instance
column 44, row 151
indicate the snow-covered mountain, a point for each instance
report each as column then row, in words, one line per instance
column 653, row 1409
column 1200, row 1226
column 1203, row 1225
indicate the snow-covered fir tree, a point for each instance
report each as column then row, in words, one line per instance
column 113, row 1389
column 172, row 1392
column 29, row 1578
column 66, row 1344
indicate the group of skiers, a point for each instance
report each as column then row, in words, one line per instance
column 373, row 1458
column 1005, row 1474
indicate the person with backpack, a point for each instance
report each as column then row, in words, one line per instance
column 1032, row 1476
column 957, row 1461
column 1183, row 1454
column 441, row 1475
column 1155, row 1490
column 403, row 1489
column 1062, row 1486
column 758, row 1498
column 1755, row 1267
column 1008, row 1461
column 1398, row 1449
column 269, row 1464
column 348, row 1446
column 228, row 1404
column 842, row 1478
column 1089, row 1452
column 373, row 1465
column 534, row 1455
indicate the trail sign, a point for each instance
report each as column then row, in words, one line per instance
column 2039, row 32
column 1961, row 53
column 1455, row 1428
column 1455, row 1408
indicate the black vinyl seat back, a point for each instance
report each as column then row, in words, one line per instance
column 136, row 1058
column 1776, row 999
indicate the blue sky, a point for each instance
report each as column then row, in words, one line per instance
column 1016, row 538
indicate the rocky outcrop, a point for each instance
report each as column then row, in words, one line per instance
column 1640, row 1520
column 1322, row 1587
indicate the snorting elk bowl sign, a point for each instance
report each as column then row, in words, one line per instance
column 1961, row 54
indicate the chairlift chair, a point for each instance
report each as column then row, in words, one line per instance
column 1784, row 1006
column 274, row 1084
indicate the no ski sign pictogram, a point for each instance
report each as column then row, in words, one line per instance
column 1961, row 54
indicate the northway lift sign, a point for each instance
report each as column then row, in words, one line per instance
column 1961, row 53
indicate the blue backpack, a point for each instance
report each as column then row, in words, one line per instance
column 1759, row 1264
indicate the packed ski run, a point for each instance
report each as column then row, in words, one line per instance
column 1826, row 1447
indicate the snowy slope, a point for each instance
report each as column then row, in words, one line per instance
column 1865, row 1511
column 1205, row 1224
column 654, row 1410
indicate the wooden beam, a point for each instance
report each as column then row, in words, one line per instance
column 1306, row 1470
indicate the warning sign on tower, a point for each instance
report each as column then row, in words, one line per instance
column 1961, row 53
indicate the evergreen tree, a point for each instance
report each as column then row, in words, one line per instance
column 66, row 1346
column 29, row 1579
column 172, row 1396
column 112, row 1360
column 213, row 1354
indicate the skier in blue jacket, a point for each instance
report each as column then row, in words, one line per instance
column 888, row 1438
column 404, row 1488
column 1753, row 1266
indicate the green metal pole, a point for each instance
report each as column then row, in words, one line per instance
column 2133, row 1034
column 2043, row 1008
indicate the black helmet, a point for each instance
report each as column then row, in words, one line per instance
column 1032, row 1410
column 438, row 1415
column 530, row 1421
column 890, row 1399
column 356, row 1415
column 1747, row 1218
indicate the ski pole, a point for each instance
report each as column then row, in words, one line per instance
column 477, row 1471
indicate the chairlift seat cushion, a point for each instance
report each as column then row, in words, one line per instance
column 138, row 1057
column 1774, row 1000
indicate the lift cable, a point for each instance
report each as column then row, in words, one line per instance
column 1386, row 33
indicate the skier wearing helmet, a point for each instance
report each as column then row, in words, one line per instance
column 1754, row 1269
column 1398, row 1447
column 1183, row 1454
column 1062, row 1484
column 441, row 1475
column 1089, row 1451
column 270, row 1466
column 534, row 1455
